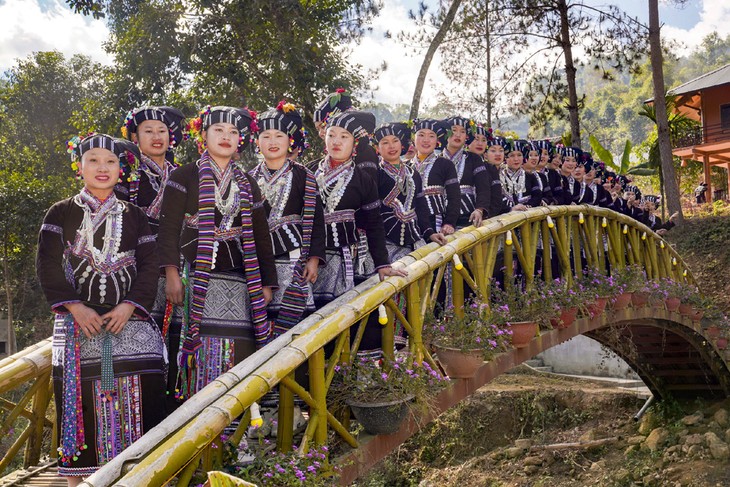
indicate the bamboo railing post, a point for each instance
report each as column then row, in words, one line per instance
column 319, row 394
column 457, row 291
column 285, row 426
column 547, row 264
column 388, row 336
column 415, row 318
column 480, row 270
column 40, row 404
column 508, row 263
column 576, row 249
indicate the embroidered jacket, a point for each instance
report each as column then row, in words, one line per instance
column 441, row 188
column 98, row 253
column 474, row 184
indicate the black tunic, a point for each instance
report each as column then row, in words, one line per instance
column 151, row 184
column 498, row 203
column 556, row 187
column 441, row 188
column 358, row 208
column 521, row 187
column 285, row 220
column 131, row 278
column 179, row 227
column 474, row 184
column 406, row 220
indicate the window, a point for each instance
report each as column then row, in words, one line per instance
column 2, row 347
column 725, row 116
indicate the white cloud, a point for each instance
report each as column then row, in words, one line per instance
column 30, row 27
column 714, row 16
column 396, row 84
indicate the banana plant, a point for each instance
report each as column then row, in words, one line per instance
column 605, row 155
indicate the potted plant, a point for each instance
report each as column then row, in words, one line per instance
column 674, row 292
column 628, row 280
column 597, row 288
column 382, row 392
column 463, row 343
column 279, row 469
column 566, row 302
column 526, row 308
column 657, row 292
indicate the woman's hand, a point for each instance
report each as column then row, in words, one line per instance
column 115, row 319
column 88, row 320
column 173, row 286
column 438, row 238
column 519, row 207
column 447, row 229
column 268, row 294
column 311, row 270
column 476, row 218
column 384, row 272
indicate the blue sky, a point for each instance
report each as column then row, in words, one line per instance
column 33, row 25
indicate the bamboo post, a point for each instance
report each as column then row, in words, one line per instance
column 415, row 318
column 319, row 394
column 547, row 264
column 40, row 405
column 457, row 291
column 388, row 335
column 285, row 427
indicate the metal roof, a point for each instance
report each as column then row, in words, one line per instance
column 718, row 77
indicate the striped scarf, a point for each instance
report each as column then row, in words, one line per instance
column 294, row 300
column 191, row 343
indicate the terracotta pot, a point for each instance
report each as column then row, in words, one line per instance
column 566, row 318
column 597, row 307
column 672, row 303
column 522, row 333
column 712, row 331
column 639, row 299
column 721, row 343
column 621, row 301
column 381, row 418
column 685, row 309
column 458, row 364
column 696, row 314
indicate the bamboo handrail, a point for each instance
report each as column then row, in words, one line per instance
column 169, row 447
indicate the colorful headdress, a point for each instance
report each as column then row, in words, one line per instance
column 544, row 145
column 242, row 118
column 285, row 118
column 571, row 152
column 651, row 199
column 171, row 117
column 633, row 189
column 524, row 146
column 480, row 129
column 399, row 129
column 127, row 152
column 623, row 180
column 335, row 103
column 359, row 124
column 428, row 124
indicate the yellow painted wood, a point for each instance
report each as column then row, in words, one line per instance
column 285, row 417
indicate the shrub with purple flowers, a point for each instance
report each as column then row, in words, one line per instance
column 381, row 380
column 596, row 284
column 631, row 278
column 480, row 328
column 520, row 302
column 277, row 469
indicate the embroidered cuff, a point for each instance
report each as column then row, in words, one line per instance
column 143, row 311
column 258, row 204
column 52, row 228
column 479, row 169
column 451, row 181
column 177, row 186
column 371, row 206
column 146, row 239
column 122, row 189
column 61, row 307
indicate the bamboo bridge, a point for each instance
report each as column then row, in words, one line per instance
column 672, row 354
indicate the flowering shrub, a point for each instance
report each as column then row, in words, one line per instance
column 276, row 469
column 597, row 284
column 381, row 380
column 522, row 303
column 480, row 328
column 630, row 279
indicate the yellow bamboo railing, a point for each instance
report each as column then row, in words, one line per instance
column 177, row 446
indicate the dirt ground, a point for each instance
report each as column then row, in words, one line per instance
column 497, row 438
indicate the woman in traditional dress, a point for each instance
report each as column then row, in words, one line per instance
column 350, row 198
column 156, row 130
column 438, row 175
column 97, row 264
column 570, row 189
column 474, row 183
column 521, row 187
column 549, row 178
column 295, row 215
column 213, row 220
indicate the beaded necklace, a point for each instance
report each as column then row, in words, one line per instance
column 404, row 185
column 157, row 176
column 513, row 182
column 424, row 167
column 189, row 357
column 275, row 187
column 459, row 160
column 333, row 182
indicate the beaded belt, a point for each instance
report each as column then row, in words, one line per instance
column 285, row 220
column 340, row 216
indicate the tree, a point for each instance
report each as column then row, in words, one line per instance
column 669, row 179
column 445, row 20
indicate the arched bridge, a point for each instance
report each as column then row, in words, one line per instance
column 671, row 353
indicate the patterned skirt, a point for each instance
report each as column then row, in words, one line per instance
column 337, row 277
column 138, row 358
column 284, row 271
column 226, row 331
